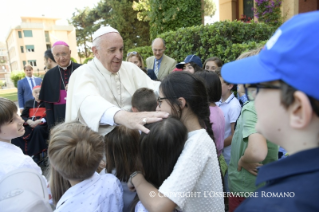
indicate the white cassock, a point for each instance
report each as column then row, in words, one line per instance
column 93, row 89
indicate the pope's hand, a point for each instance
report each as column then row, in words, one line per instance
column 137, row 120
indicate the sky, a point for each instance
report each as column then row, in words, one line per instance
column 12, row 10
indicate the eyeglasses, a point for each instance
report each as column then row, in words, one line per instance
column 133, row 53
column 63, row 55
column 159, row 100
column 253, row 89
column 158, row 50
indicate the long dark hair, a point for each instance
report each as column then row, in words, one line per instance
column 193, row 90
column 121, row 149
column 213, row 85
column 160, row 150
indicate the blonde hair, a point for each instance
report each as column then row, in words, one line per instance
column 250, row 53
column 132, row 54
column 75, row 152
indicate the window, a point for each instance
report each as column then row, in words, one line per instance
column 22, row 49
column 27, row 33
column 24, row 63
column 32, row 62
column 47, row 37
column 29, row 48
column 248, row 12
column 20, row 34
column 48, row 46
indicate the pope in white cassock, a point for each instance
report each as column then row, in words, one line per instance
column 99, row 93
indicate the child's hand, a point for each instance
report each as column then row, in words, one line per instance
column 250, row 167
column 130, row 186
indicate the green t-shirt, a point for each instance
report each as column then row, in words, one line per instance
column 243, row 181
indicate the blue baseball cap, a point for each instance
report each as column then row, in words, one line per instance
column 190, row 58
column 290, row 55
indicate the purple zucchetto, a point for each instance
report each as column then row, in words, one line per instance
column 60, row 43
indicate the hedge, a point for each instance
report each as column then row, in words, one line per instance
column 225, row 39
column 16, row 76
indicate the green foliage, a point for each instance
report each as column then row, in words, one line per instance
column 82, row 22
column 226, row 40
column 16, row 76
column 120, row 15
column 73, row 60
column 87, row 60
column 169, row 15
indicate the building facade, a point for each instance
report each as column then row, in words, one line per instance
column 234, row 9
column 27, row 42
column 4, row 63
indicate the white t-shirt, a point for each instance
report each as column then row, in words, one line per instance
column 231, row 109
column 99, row 193
column 196, row 176
column 12, row 158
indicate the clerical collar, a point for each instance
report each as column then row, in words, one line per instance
column 65, row 68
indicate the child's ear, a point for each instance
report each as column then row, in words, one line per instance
column 230, row 86
column 182, row 102
column 300, row 111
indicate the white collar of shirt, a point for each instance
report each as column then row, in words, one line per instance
column 78, row 188
column 65, row 68
column 12, row 147
column 228, row 99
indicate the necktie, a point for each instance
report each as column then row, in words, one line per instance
column 156, row 69
column 32, row 84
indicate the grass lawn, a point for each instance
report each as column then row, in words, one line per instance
column 9, row 94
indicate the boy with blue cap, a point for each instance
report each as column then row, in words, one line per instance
column 283, row 79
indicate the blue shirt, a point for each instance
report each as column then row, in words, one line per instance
column 296, row 176
column 159, row 62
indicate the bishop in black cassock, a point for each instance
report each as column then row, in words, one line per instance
column 53, row 90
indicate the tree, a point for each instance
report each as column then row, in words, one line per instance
column 120, row 15
column 84, row 31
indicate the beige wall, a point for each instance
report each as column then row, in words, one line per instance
column 38, row 27
column 228, row 10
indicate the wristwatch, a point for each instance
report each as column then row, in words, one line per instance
column 133, row 175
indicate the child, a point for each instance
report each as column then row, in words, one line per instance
column 34, row 140
column 191, row 64
column 11, row 126
column 230, row 106
column 75, row 152
column 160, row 153
column 249, row 151
column 144, row 99
column 184, row 96
column 216, row 117
column 121, row 149
column 286, row 74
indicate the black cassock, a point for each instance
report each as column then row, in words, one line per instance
column 34, row 140
column 53, row 92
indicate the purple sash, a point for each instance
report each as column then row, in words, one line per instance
column 62, row 100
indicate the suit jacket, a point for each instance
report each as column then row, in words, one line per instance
column 24, row 90
column 167, row 65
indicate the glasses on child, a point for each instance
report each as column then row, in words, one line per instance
column 253, row 89
column 133, row 53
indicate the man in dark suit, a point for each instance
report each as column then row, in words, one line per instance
column 26, row 85
column 161, row 64
column 55, row 83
